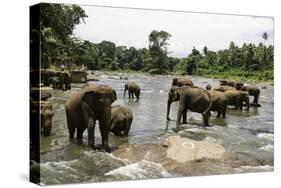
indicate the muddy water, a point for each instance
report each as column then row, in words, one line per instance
column 245, row 135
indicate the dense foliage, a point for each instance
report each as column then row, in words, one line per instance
column 57, row 23
column 60, row 47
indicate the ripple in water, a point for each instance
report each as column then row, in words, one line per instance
column 140, row 170
column 268, row 148
column 267, row 136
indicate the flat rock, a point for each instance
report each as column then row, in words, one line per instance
column 181, row 156
column 184, row 149
column 92, row 77
column 175, row 148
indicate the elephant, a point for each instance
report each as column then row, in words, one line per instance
column 91, row 102
column 236, row 98
column 65, row 80
column 224, row 88
column 133, row 89
column 219, row 101
column 238, row 85
column 233, row 83
column 190, row 98
column 55, row 81
column 46, row 118
column 45, row 96
column 227, row 83
column 121, row 120
column 253, row 91
column 46, row 75
column 123, row 78
column 180, row 81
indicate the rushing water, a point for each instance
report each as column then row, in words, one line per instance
column 243, row 134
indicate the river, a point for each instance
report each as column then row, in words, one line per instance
column 245, row 135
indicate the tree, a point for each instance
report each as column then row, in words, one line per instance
column 158, row 50
column 57, row 24
column 265, row 36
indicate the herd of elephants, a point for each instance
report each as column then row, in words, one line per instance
column 94, row 103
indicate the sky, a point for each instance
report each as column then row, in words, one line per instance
column 131, row 27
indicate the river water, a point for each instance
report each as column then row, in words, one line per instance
column 245, row 135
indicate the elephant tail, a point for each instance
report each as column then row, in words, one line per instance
column 210, row 105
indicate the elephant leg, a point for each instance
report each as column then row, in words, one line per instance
column 184, row 116
column 71, row 127
column 80, row 135
column 104, row 130
column 206, row 119
column 236, row 104
column 128, row 126
column 180, row 112
column 168, row 109
column 91, row 133
column 256, row 98
column 129, row 94
column 223, row 113
column 114, row 127
column 133, row 93
column 219, row 114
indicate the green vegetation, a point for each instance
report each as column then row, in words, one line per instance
column 248, row 62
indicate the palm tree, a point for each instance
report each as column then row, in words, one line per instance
column 265, row 36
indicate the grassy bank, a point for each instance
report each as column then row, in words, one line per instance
column 257, row 76
column 234, row 74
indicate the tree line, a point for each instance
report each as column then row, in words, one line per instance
column 59, row 46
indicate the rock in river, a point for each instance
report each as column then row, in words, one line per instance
column 176, row 154
column 184, row 149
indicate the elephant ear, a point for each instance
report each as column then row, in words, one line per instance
column 177, row 93
column 87, row 99
column 114, row 96
column 175, row 82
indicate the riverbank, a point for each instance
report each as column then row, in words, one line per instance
column 235, row 74
column 239, row 76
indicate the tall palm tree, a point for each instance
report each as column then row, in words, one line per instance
column 265, row 36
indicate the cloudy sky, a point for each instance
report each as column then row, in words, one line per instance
column 131, row 27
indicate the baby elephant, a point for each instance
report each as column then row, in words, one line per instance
column 121, row 120
column 133, row 88
column 46, row 118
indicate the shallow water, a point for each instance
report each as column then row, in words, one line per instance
column 246, row 135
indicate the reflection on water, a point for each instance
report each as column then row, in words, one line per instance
column 242, row 133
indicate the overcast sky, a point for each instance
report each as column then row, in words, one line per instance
column 131, row 27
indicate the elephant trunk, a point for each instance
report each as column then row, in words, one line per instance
column 210, row 105
column 248, row 103
column 105, row 124
column 124, row 92
column 168, row 108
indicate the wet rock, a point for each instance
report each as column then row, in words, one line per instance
column 184, row 149
column 194, row 133
column 92, row 77
column 179, row 155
